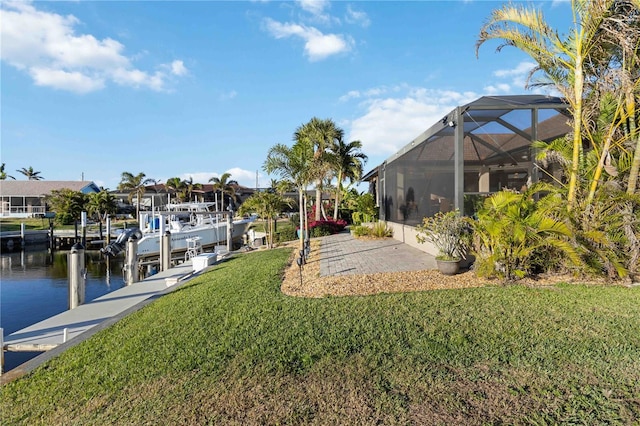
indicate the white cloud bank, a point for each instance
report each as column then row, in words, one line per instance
column 395, row 115
column 46, row 46
column 317, row 45
column 390, row 123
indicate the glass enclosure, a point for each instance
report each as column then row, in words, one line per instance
column 477, row 149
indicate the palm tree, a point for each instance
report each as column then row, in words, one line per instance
column 190, row 188
column 102, row 203
column 322, row 134
column 348, row 164
column 561, row 60
column 268, row 205
column 225, row 186
column 176, row 185
column 3, row 174
column 294, row 165
column 135, row 184
column 30, row 173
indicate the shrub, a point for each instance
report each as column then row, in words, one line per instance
column 381, row 230
column 321, row 228
column 361, row 231
column 448, row 232
column 514, row 234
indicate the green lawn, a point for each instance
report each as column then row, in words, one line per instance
column 229, row 348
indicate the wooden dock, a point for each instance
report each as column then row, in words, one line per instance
column 76, row 325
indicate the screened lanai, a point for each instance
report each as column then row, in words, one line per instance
column 475, row 150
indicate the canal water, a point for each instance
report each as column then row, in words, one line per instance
column 34, row 286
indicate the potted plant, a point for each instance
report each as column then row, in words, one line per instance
column 450, row 234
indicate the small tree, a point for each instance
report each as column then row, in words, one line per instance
column 100, row 204
column 67, row 205
column 268, row 205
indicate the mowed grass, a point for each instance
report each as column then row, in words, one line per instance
column 229, row 348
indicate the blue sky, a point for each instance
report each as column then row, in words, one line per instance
column 197, row 89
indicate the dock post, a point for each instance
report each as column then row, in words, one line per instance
column 132, row 261
column 165, row 252
column 22, row 234
column 77, row 275
column 229, row 232
column 83, row 222
column 1, row 350
column 108, row 229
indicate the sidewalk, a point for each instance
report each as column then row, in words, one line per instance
column 342, row 254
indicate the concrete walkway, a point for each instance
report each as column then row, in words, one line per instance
column 342, row 254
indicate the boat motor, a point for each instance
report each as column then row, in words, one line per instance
column 120, row 243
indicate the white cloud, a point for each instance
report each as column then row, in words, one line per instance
column 317, row 10
column 64, row 80
column 317, row 46
column 45, row 45
column 357, row 17
column 315, row 7
column 392, row 122
column 178, row 68
column 228, row 95
column 497, row 89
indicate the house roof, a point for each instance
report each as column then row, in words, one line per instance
column 39, row 188
column 497, row 129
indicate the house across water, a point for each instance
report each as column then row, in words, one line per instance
column 26, row 198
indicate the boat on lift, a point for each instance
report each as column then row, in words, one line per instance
column 185, row 222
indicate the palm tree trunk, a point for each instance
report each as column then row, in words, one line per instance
column 577, row 130
column 633, row 132
column 302, row 216
column 603, row 156
column 318, row 200
column 338, row 187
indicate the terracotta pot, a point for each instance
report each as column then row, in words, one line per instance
column 448, row 267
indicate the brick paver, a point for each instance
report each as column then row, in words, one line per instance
column 342, row 254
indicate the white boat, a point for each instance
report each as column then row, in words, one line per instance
column 186, row 223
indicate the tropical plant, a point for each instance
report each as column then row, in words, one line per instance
column 268, row 205
column 515, row 234
column 560, row 60
column 448, row 232
column 293, row 164
column 363, row 208
column 30, row 173
column 100, row 204
column 189, row 187
column 380, row 229
column 67, row 204
column 348, row 162
column 3, row 174
column 360, row 230
column 176, row 185
column 135, row 184
column 321, row 134
column 607, row 231
column 225, row 187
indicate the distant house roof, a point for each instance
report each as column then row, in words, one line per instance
column 38, row 188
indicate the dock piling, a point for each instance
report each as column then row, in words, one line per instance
column 165, row 251
column 132, row 262
column 76, row 276
column 229, row 232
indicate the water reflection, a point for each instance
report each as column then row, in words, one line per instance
column 34, row 286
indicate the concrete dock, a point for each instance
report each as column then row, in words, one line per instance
column 61, row 331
